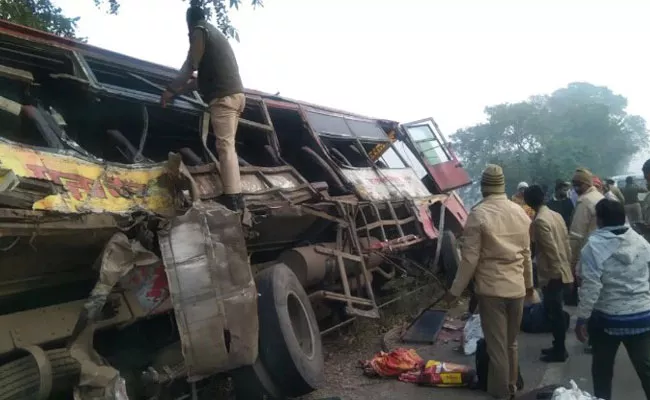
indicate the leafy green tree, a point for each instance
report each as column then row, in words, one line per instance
column 39, row 14
column 547, row 136
column 44, row 15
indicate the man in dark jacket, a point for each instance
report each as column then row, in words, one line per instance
column 561, row 203
column 221, row 88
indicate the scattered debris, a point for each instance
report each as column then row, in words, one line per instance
column 472, row 333
column 452, row 330
column 574, row 393
column 408, row 366
column 100, row 381
column 442, row 374
column 426, row 327
column 392, row 364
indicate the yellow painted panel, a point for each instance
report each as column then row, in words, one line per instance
column 379, row 149
column 88, row 187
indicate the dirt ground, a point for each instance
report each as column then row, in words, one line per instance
column 344, row 350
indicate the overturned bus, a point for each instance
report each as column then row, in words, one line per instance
column 120, row 274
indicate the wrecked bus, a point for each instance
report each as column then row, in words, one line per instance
column 120, row 274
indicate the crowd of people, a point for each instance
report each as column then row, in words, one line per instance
column 587, row 244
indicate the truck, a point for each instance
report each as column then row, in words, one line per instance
column 120, row 274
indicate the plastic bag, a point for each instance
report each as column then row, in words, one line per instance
column 441, row 374
column 472, row 333
column 572, row 394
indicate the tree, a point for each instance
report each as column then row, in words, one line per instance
column 546, row 137
column 44, row 15
column 39, row 14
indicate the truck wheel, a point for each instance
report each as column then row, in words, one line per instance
column 289, row 344
column 20, row 379
column 449, row 256
column 254, row 383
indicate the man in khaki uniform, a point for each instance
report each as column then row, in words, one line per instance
column 583, row 222
column 554, row 273
column 495, row 253
column 584, row 215
column 633, row 209
column 221, row 88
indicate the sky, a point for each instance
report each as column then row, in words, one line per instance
column 408, row 59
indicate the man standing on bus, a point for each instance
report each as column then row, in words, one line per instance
column 221, row 88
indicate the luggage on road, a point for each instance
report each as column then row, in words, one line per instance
column 535, row 319
column 441, row 374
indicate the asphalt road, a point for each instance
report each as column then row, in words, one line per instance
column 626, row 385
column 534, row 372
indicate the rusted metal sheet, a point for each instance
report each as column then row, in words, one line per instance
column 260, row 185
column 25, row 222
column 18, row 74
column 424, row 216
column 212, row 289
column 42, row 325
column 457, row 208
column 98, row 379
column 10, row 106
column 81, row 186
column 386, row 184
column 149, row 285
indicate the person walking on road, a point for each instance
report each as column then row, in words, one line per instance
column 633, row 209
column 554, row 273
column 614, row 303
column 496, row 254
column 220, row 86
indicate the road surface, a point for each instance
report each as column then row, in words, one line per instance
column 626, row 384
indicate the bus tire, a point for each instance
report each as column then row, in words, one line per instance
column 449, row 256
column 20, row 379
column 254, row 383
column 290, row 345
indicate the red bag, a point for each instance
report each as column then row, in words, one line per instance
column 392, row 364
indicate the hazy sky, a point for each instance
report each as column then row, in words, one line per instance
column 406, row 59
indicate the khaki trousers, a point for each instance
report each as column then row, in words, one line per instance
column 224, row 115
column 500, row 320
